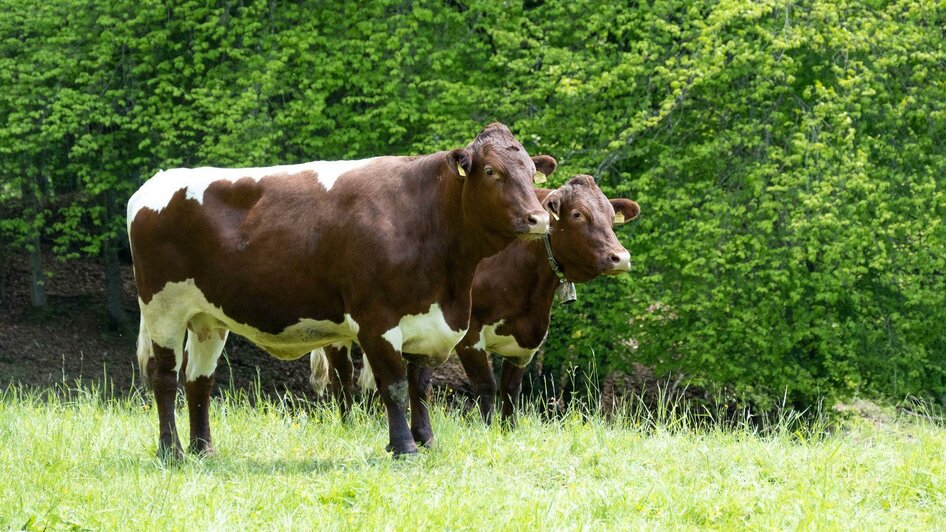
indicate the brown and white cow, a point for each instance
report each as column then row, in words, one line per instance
column 513, row 293
column 380, row 251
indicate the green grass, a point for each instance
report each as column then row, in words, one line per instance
column 88, row 462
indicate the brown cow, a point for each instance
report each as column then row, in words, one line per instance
column 513, row 294
column 381, row 251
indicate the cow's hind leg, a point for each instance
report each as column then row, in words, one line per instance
column 204, row 346
column 341, row 374
column 511, row 386
column 476, row 364
column 419, row 377
column 167, row 362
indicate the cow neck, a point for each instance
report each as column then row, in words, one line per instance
column 546, row 279
column 468, row 239
column 448, row 231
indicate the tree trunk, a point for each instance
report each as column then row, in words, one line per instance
column 3, row 275
column 37, row 280
column 117, row 317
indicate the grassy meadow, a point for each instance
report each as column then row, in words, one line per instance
column 83, row 460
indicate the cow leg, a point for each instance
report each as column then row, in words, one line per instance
column 390, row 374
column 418, row 385
column 476, row 364
column 511, row 387
column 341, row 376
column 203, row 350
column 164, row 383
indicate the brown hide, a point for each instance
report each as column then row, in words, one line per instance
column 518, row 285
column 384, row 241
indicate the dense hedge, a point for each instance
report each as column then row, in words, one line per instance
column 788, row 156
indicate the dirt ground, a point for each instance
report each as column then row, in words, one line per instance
column 71, row 342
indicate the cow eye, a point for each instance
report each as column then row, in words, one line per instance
column 576, row 215
column 489, row 170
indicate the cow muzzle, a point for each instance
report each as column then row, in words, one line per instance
column 536, row 226
column 618, row 262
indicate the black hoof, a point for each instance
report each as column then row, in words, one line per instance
column 401, row 451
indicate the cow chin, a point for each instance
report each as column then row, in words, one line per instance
column 524, row 231
column 528, row 236
column 617, row 271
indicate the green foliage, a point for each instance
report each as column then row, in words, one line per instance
column 787, row 155
column 787, row 161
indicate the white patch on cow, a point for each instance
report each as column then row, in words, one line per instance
column 502, row 345
column 170, row 311
column 205, row 339
column 157, row 192
column 424, row 334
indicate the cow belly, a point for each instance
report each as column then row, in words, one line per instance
column 183, row 304
column 504, row 345
column 425, row 334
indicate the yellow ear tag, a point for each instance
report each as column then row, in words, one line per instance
column 538, row 178
column 461, row 170
column 619, row 217
column 554, row 216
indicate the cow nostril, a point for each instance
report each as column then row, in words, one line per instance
column 537, row 223
column 615, row 258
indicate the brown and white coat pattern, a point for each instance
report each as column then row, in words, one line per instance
column 380, row 251
column 513, row 292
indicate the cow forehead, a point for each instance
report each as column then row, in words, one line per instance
column 508, row 157
column 590, row 197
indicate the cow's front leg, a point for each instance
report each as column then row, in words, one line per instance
column 476, row 364
column 511, row 388
column 341, row 374
column 418, row 379
column 390, row 374
column 164, row 384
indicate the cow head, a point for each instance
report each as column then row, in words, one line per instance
column 582, row 237
column 497, row 176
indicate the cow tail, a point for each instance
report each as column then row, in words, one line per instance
column 145, row 353
column 366, row 377
column 318, row 377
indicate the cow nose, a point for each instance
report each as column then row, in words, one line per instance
column 620, row 261
column 538, row 223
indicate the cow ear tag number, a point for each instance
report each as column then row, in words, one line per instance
column 539, row 178
column 460, row 170
column 618, row 218
column 565, row 293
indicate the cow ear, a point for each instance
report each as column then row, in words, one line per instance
column 545, row 164
column 553, row 204
column 625, row 210
column 460, row 162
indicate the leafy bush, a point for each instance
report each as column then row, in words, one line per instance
column 788, row 156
